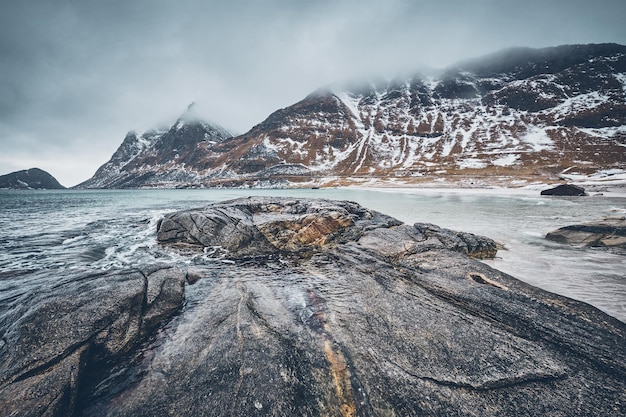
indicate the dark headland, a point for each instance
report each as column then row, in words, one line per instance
column 309, row 308
column 29, row 179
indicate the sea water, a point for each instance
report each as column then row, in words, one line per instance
column 45, row 235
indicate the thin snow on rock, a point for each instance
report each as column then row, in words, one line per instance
column 538, row 139
column 471, row 163
column 621, row 77
column 506, row 160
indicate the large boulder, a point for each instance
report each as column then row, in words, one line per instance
column 52, row 339
column 313, row 307
column 608, row 233
column 310, row 307
column 260, row 227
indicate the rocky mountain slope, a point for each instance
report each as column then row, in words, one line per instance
column 165, row 158
column 519, row 115
column 28, row 179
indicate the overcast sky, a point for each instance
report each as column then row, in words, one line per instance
column 76, row 75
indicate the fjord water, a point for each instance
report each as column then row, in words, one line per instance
column 46, row 234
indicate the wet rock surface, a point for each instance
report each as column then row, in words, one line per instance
column 327, row 308
column 52, row 340
column 608, row 233
column 314, row 307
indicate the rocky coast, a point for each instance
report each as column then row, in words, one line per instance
column 308, row 307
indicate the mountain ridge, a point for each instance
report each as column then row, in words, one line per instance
column 518, row 114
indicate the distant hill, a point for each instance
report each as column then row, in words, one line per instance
column 521, row 114
column 29, row 179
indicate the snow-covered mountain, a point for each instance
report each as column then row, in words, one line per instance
column 161, row 158
column 517, row 115
column 520, row 112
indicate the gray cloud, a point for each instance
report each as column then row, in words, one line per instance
column 76, row 75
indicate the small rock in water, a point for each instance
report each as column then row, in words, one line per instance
column 565, row 190
column 609, row 233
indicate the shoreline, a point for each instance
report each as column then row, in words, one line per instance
column 593, row 190
column 608, row 189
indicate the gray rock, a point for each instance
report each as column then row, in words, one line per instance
column 309, row 308
column 54, row 338
column 349, row 312
column 478, row 247
column 609, row 233
column 565, row 190
column 260, row 227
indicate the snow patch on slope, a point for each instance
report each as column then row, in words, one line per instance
column 352, row 104
column 605, row 132
column 579, row 104
column 621, row 77
column 506, row 160
column 471, row 163
column 607, row 176
column 538, row 139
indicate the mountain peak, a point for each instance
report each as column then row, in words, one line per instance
column 191, row 114
column 160, row 156
column 526, row 62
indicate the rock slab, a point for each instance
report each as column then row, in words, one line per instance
column 52, row 340
column 608, row 233
column 311, row 308
column 314, row 307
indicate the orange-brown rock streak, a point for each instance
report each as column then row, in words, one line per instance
column 339, row 370
column 341, row 378
column 318, row 230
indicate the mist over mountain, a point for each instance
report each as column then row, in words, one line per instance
column 514, row 116
column 160, row 157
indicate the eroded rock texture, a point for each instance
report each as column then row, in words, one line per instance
column 327, row 308
column 53, row 339
column 298, row 307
